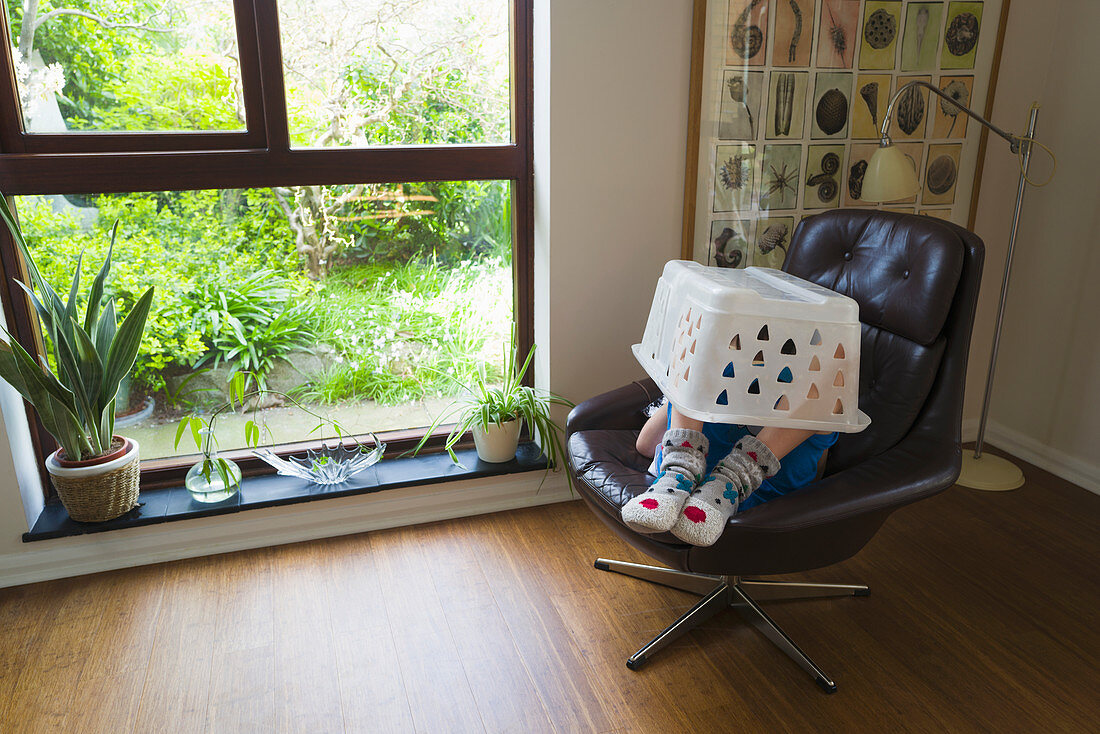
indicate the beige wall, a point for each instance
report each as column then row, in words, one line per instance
column 1046, row 400
column 609, row 213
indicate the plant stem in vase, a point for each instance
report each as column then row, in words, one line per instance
column 213, row 479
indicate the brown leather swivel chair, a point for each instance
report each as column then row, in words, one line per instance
column 916, row 281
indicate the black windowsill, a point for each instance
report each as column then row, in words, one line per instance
column 270, row 490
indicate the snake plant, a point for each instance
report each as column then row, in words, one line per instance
column 91, row 357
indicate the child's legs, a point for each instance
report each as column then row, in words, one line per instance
column 683, row 451
column 679, row 420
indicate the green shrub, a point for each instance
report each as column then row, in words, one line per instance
column 468, row 220
column 175, row 241
column 403, row 331
column 252, row 323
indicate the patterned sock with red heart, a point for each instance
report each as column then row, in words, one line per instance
column 734, row 478
column 683, row 460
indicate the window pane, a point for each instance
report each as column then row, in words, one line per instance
column 122, row 65
column 384, row 72
column 365, row 303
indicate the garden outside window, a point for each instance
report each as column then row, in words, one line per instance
column 332, row 196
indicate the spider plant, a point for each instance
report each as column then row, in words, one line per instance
column 484, row 404
column 77, row 404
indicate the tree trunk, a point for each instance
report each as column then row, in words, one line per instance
column 26, row 30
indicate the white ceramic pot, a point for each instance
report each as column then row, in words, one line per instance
column 498, row 444
column 98, row 491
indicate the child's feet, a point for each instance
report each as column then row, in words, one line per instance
column 735, row 477
column 683, row 459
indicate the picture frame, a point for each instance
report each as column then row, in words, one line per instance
column 770, row 119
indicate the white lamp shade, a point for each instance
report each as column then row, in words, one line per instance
column 890, row 176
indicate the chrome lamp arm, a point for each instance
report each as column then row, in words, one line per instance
column 1013, row 140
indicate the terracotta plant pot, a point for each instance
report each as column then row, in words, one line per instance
column 497, row 444
column 99, row 489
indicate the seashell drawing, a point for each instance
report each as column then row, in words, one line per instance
column 962, row 34
column 784, row 103
column 797, row 33
column 832, row 112
column 734, row 173
column 775, row 236
column 910, row 110
column 781, row 181
column 746, row 39
column 942, row 173
column 827, row 191
column 725, row 254
column 838, row 38
column 880, row 29
column 957, row 91
column 869, row 92
column 738, row 90
column 827, row 187
column 855, row 179
column 921, row 24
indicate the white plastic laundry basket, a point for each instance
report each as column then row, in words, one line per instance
column 754, row 346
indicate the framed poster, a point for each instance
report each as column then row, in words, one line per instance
column 787, row 101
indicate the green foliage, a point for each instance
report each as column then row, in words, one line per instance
column 176, row 242
column 406, row 331
column 77, row 404
column 94, row 58
column 468, row 219
column 484, row 403
column 173, row 93
column 250, row 323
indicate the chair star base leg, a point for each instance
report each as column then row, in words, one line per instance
column 730, row 591
column 714, row 602
column 755, row 616
column 763, row 590
column 694, row 583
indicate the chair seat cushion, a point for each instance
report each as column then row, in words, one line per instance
column 612, row 471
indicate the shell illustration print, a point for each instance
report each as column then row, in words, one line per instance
column 832, row 111
column 911, row 109
column 831, row 104
column 791, row 102
column 962, row 35
column 879, row 40
column 880, row 29
column 837, row 37
column 784, row 103
column 748, row 27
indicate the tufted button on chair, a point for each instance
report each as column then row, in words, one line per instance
column 916, row 281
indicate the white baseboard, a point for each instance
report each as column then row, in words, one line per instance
column 75, row 556
column 1055, row 461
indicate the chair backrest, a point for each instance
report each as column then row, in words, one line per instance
column 915, row 279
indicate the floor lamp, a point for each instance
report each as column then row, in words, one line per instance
column 890, row 176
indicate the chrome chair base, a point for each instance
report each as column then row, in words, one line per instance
column 721, row 592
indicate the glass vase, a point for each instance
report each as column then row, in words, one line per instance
column 207, row 480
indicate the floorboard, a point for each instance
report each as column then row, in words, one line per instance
column 982, row 617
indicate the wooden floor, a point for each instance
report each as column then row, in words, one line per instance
column 983, row 617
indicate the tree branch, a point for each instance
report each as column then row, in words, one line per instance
column 105, row 22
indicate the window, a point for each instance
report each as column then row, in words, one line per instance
column 346, row 185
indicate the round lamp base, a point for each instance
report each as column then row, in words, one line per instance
column 989, row 473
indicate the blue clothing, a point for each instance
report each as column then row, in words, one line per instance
column 796, row 470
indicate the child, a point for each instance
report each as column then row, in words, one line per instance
column 708, row 471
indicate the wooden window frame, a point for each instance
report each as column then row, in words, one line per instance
column 259, row 157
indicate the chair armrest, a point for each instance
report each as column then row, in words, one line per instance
column 619, row 409
column 921, row 465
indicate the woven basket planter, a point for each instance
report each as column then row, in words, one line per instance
column 100, row 491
